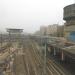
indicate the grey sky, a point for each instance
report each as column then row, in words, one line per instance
column 31, row 14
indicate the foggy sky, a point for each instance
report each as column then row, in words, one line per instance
column 31, row 14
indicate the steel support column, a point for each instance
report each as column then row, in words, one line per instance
column 54, row 51
column 62, row 56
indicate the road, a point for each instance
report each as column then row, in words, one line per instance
column 30, row 61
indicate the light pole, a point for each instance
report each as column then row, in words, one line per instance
column 9, row 50
column 45, row 51
column 1, row 41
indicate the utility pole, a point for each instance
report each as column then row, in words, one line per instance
column 45, row 60
column 45, row 56
column 1, row 41
column 9, row 50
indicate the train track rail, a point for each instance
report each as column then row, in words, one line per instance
column 54, row 68
column 33, row 64
column 30, row 60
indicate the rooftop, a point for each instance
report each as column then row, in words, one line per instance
column 14, row 30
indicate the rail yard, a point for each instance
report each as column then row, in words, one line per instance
column 30, row 61
column 48, row 51
column 34, row 56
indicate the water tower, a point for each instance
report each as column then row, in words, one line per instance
column 69, row 17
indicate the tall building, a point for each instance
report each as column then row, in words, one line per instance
column 52, row 30
column 43, row 30
column 60, row 30
column 69, row 17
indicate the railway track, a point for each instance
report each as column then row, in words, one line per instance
column 19, row 64
column 53, row 67
column 31, row 62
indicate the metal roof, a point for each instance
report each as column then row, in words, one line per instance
column 14, row 30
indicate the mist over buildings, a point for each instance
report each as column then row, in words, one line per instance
column 31, row 14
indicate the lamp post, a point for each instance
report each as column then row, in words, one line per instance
column 45, row 51
column 9, row 51
column 1, row 41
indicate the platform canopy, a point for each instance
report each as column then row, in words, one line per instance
column 11, row 30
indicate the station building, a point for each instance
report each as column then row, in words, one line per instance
column 14, row 34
